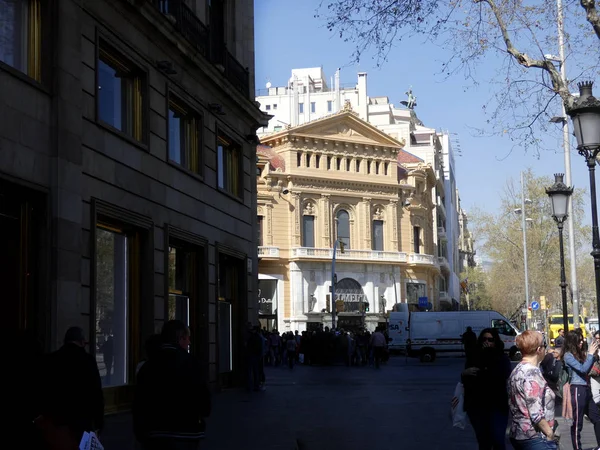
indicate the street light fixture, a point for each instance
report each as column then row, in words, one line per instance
column 585, row 114
column 559, row 194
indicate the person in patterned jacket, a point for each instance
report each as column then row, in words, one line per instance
column 531, row 400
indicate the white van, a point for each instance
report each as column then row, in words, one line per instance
column 425, row 334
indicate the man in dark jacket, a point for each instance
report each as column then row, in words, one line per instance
column 171, row 396
column 469, row 341
column 72, row 391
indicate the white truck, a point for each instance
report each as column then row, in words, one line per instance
column 425, row 334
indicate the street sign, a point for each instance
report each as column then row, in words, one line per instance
column 535, row 306
column 423, row 302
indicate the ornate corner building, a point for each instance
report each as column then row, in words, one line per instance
column 339, row 177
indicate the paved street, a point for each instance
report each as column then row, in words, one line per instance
column 403, row 405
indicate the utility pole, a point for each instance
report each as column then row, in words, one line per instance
column 567, row 155
column 523, row 225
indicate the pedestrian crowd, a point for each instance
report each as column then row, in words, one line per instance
column 525, row 399
column 321, row 347
column 61, row 398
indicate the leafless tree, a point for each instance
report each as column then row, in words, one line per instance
column 473, row 32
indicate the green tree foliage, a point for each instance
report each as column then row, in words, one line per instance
column 500, row 240
column 477, row 281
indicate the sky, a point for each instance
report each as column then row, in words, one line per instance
column 288, row 36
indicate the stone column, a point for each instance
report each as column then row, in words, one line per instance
column 294, row 306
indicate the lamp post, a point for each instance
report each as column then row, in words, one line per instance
column 559, row 194
column 585, row 114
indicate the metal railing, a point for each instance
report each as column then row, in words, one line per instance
column 193, row 30
column 186, row 22
column 237, row 74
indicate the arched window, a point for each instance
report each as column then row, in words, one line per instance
column 308, row 225
column 308, row 231
column 343, row 227
column 377, row 235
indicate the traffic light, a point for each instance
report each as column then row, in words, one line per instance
column 366, row 307
column 328, row 303
column 342, row 247
column 542, row 302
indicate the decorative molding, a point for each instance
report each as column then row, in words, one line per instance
column 378, row 213
column 309, row 209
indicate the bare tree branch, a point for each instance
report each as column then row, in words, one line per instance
column 591, row 14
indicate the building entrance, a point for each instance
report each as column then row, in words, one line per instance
column 21, row 228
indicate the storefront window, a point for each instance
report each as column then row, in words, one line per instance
column 112, row 306
column 414, row 291
column 229, row 310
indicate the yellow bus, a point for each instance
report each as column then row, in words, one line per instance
column 557, row 322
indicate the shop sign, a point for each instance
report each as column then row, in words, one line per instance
column 267, row 292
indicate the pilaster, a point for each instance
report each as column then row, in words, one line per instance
column 393, row 218
column 296, row 218
column 326, row 215
column 366, row 206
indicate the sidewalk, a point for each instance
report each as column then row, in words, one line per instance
column 238, row 420
column 588, row 438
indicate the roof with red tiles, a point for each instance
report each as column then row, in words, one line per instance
column 406, row 158
column 276, row 161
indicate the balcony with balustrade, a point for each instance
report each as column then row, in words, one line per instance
column 422, row 260
column 442, row 233
column 444, row 264
column 310, row 253
column 265, row 252
column 187, row 23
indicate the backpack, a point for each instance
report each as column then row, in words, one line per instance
column 563, row 378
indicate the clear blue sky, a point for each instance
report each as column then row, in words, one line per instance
column 288, row 36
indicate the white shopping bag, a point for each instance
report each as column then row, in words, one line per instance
column 90, row 441
column 595, row 385
column 459, row 417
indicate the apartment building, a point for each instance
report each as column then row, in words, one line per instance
column 127, row 177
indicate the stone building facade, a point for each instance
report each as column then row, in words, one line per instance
column 338, row 178
column 127, row 176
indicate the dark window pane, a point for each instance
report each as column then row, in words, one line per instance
column 228, row 171
column 174, row 136
column 260, row 230
column 378, row 235
column 112, row 307
column 308, row 231
column 343, row 227
column 13, row 33
column 417, row 239
column 110, row 96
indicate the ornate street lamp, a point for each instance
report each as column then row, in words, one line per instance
column 559, row 194
column 585, row 114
